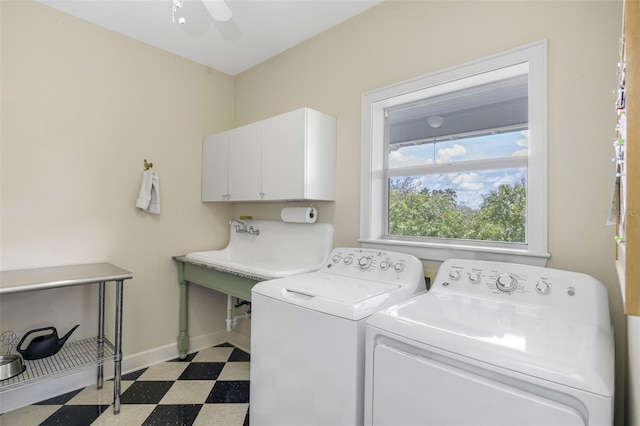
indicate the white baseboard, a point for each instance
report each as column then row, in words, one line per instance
column 41, row 390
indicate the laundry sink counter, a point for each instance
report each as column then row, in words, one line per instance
column 237, row 283
column 258, row 250
column 258, row 268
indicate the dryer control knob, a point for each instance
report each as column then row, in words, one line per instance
column 348, row 260
column 506, row 283
column 474, row 277
column 398, row 267
column 542, row 287
column 384, row 265
column 364, row 262
column 454, row 275
column 336, row 258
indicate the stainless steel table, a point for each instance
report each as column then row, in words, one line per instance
column 73, row 355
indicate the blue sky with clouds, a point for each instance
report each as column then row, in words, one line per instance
column 469, row 186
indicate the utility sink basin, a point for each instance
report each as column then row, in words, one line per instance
column 277, row 250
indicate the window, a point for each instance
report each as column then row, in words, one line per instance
column 454, row 163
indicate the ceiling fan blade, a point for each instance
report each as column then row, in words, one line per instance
column 218, row 9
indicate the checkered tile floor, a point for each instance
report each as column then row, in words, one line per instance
column 210, row 387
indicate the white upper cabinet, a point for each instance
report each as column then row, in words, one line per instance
column 299, row 156
column 288, row 157
column 231, row 164
column 244, row 162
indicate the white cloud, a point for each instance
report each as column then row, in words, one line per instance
column 507, row 179
column 524, row 141
column 396, row 158
column 468, row 182
column 446, row 154
column 399, row 158
column 520, row 152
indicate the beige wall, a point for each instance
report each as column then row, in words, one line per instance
column 82, row 108
column 399, row 40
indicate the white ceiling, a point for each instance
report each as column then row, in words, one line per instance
column 257, row 31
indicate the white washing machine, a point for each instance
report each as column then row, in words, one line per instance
column 307, row 336
column 493, row 344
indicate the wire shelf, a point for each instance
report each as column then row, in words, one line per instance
column 72, row 357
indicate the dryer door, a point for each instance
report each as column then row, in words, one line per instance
column 416, row 390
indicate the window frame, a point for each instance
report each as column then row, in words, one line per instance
column 373, row 158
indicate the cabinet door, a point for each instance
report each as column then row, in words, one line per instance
column 215, row 167
column 283, row 156
column 245, row 150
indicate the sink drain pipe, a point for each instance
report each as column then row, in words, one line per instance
column 232, row 320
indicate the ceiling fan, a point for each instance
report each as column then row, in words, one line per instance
column 218, row 10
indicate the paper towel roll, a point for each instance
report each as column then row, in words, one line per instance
column 299, row 214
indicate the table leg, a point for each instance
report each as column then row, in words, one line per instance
column 183, row 336
column 117, row 364
column 101, row 336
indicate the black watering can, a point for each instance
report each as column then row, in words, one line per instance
column 45, row 345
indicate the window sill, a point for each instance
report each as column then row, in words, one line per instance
column 442, row 252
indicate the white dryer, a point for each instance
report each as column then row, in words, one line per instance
column 493, row 344
column 307, row 336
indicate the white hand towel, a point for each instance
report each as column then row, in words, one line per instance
column 149, row 197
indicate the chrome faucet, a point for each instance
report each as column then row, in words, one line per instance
column 240, row 226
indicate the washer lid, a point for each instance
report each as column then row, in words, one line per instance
column 338, row 288
column 337, row 295
column 510, row 336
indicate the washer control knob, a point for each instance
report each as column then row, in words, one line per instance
column 384, row 265
column 336, row 258
column 454, row 275
column 348, row 260
column 506, row 282
column 364, row 262
column 542, row 287
column 474, row 277
column 398, row 267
